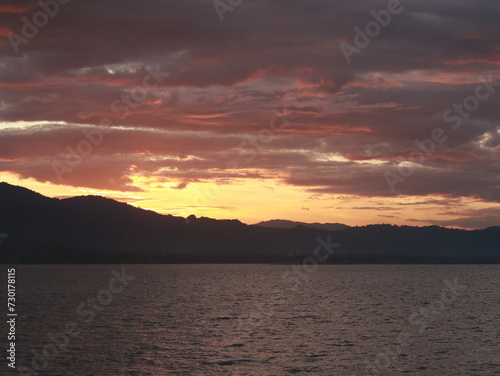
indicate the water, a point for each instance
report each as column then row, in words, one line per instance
column 260, row 320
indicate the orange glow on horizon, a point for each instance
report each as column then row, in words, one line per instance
column 275, row 200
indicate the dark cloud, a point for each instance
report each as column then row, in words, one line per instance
column 352, row 122
column 472, row 219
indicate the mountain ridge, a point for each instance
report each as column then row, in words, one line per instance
column 287, row 224
column 94, row 229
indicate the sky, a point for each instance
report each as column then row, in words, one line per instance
column 344, row 111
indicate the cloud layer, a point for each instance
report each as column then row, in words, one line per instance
column 214, row 117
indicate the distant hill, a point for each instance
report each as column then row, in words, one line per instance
column 93, row 229
column 283, row 223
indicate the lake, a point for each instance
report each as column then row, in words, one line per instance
column 257, row 320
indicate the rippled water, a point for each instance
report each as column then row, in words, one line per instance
column 262, row 320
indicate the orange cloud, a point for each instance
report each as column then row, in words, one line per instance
column 4, row 31
column 15, row 9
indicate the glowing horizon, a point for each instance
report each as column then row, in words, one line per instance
column 302, row 115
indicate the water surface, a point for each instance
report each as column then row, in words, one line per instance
column 263, row 320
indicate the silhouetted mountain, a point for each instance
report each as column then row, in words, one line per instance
column 283, row 223
column 94, row 229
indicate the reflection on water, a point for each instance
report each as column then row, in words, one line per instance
column 258, row 320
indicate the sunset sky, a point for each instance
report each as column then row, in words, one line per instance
column 253, row 111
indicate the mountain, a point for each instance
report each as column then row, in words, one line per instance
column 93, row 229
column 283, row 223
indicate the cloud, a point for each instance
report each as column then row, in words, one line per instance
column 472, row 219
column 184, row 184
column 352, row 122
